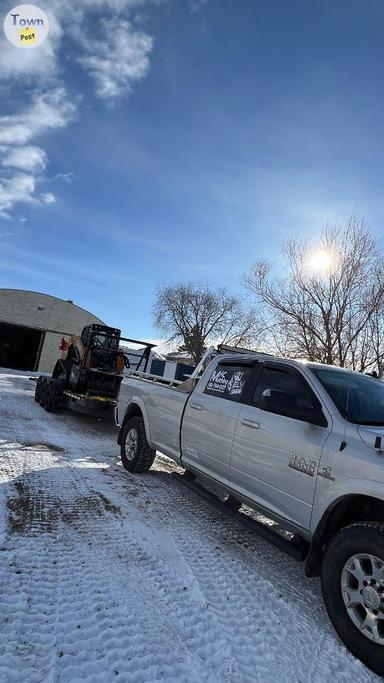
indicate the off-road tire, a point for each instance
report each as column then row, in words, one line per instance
column 43, row 391
column 360, row 538
column 53, row 396
column 144, row 455
column 37, row 389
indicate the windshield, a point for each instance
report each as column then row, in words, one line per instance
column 103, row 342
column 359, row 398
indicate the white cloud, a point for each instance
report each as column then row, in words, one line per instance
column 28, row 158
column 47, row 198
column 21, row 187
column 18, row 188
column 112, row 51
column 48, row 111
column 65, row 177
column 22, row 163
column 67, row 18
column 118, row 58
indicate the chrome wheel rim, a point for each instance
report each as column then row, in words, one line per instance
column 362, row 588
column 131, row 444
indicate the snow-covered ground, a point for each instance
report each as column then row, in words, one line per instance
column 107, row 576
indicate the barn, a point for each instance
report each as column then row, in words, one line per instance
column 31, row 326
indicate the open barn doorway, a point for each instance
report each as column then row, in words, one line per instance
column 20, row 347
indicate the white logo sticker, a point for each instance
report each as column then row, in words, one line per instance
column 26, row 26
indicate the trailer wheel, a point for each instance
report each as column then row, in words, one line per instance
column 136, row 454
column 38, row 389
column 52, row 397
column 352, row 580
column 43, row 392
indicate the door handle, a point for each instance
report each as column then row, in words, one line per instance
column 196, row 406
column 251, row 423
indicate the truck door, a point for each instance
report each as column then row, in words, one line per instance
column 278, row 442
column 210, row 418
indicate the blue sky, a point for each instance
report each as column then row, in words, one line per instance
column 149, row 142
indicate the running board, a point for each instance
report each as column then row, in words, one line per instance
column 297, row 547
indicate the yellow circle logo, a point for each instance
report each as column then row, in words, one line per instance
column 28, row 35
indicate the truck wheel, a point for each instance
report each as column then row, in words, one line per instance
column 136, row 454
column 352, row 579
column 38, row 389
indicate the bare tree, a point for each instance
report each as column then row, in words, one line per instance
column 194, row 314
column 373, row 352
column 329, row 307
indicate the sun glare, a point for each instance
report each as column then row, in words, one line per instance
column 321, row 261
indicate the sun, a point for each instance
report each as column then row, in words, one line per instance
column 321, row 261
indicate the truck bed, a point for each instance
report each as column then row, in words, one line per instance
column 157, row 379
column 161, row 398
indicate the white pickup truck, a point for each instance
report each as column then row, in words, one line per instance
column 302, row 443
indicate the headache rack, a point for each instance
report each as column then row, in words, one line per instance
column 191, row 381
column 212, row 351
column 224, row 348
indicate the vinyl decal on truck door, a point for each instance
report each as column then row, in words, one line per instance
column 227, row 383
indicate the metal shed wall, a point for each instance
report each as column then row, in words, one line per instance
column 44, row 312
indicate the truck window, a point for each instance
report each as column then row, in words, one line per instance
column 283, row 392
column 228, row 381
column 359, row 398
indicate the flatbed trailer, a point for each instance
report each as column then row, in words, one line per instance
column 87, row 378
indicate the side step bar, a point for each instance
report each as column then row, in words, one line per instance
column 297, row 547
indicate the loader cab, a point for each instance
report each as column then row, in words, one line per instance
column 102, row 344
column 101, row 337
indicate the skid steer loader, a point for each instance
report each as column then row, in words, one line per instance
column 88, row 375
